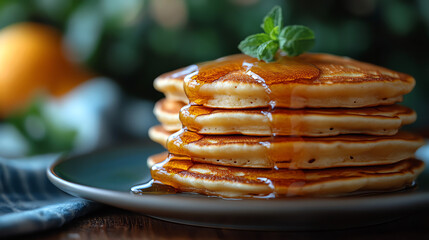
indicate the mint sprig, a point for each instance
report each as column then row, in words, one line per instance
column 296, row 39
column 273, row 22
column 293, row 40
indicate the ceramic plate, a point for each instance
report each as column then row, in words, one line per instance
column 107, row 176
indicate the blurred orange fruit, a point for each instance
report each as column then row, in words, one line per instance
column 32, row 61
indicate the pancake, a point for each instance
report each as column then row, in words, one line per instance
column 171, row 84
column 159, row 135
column 234, row 182
column 167, row 113
column 309, row 80
column 312, row 125
column 384, row 120
column 156, row 158
column 294, row 152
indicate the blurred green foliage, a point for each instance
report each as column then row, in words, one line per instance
column 133, row 41
column 41, row 133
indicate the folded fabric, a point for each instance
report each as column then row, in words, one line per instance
column 29, row 202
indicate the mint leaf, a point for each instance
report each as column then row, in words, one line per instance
column 274, row 34
column 296, row 39
column 250, row 45
column 267, row 50
column 273, row 19
column 293, row 40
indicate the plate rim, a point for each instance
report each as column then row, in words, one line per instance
column 163, row 205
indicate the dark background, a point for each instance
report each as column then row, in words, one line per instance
column 134, row 41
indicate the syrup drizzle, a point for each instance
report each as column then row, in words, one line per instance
column 153, row 187
column 268, row 114
column 264, row 74
column 285, row 70
column 299, row 122
column 282, row 182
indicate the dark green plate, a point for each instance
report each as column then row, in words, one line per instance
column 107, row 176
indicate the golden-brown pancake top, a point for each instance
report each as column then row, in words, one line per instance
column 309, row 80
column 309, row 68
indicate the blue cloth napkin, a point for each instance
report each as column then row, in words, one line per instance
column 29, row 202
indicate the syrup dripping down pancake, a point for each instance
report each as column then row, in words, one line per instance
column 156, row 158
column 188, row 176
column 309, row 80
column 239, row 94
column 294, row 152
column 384, row 120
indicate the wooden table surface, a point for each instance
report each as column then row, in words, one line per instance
column 112, row 223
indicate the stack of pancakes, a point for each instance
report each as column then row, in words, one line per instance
column 313, row 125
